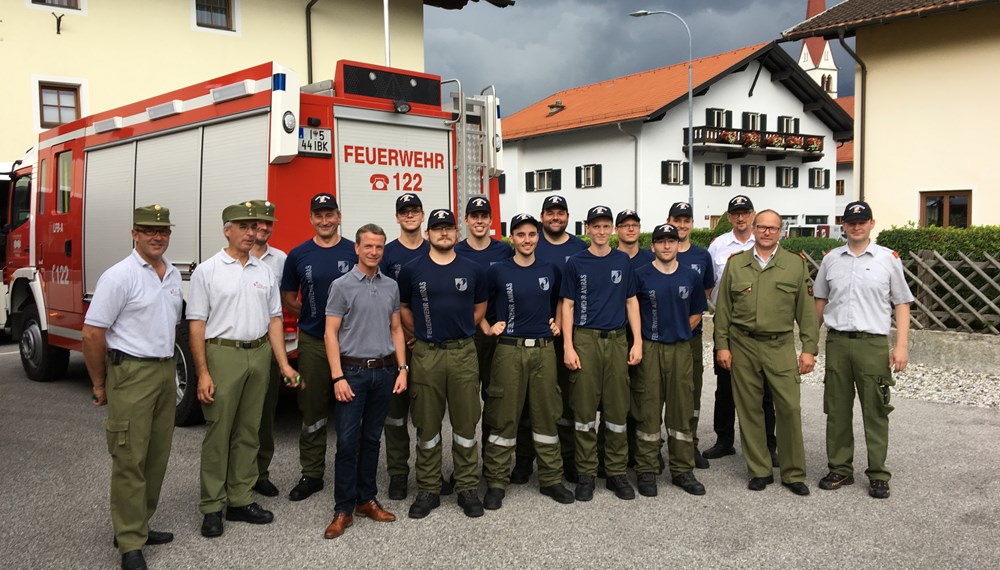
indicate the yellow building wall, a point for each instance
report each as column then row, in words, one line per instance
column 126, row 50
column 932, row 118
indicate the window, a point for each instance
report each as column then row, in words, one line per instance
column 502, row 184
column 839, row 220
column 840, row 187
column 948, row 209
column 64, row 174
column 20, row 206
column 718, row 118
column 754, row 122
column 503, row 228
column 788, row 124
column 43, row 188
column 580, row 228
column 674, row 172
column 588, row 176
column 718, row 174
column 73, row 4
column 58, row 103
column 817, row 220
column 788, row 221
column 751, row 175
column 216, row 14
column 788, row 177
column 543, row 180
column 819, row 178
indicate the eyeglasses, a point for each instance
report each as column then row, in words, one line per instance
column 629, row 226
column 767, row 229
column 154, row 231
column 741, row 214
column 409, row 212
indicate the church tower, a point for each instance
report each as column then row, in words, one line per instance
column 816, row 57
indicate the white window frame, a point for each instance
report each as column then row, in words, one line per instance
column 786, row 124
column 82, row 85
column 80, row 10
column 720, row 118
column 753, row 176
column 784, row 176
column 718, row 174
column 588, row 176
column 753, row 121
column 235, row 17
column 543, row 176
column 675, row 172
column 816, row 178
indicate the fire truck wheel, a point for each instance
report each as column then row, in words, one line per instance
column 188, row 411
column 41, row 361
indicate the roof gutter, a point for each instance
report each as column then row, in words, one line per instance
column 864, row 115
column 635, row 163
column 309, row 40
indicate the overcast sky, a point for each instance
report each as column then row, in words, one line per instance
column 538, row 47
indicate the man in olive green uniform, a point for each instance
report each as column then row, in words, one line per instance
column 763, row 293
column 128, row 346
column 858, row 287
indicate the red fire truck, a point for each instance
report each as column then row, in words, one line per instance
column 366, row 136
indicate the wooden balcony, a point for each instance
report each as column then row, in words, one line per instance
column 739, row 143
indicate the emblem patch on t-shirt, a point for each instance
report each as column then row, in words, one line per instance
column 616, row 276
column 543, row 282
column 461, row 283
column 343, row 266
column 684, row 291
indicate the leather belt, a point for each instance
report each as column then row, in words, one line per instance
column 762, row 336
column 384, row 362
column 854, row 334
column 524, row 342
column 245, row 344
column 611, row 333
column 448, row 344
column 117, row 356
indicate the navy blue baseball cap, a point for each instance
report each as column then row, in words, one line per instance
column 665, row 231
column 408, row 200
column 323, row 201
column 555, row 202
column 522, row 219
column 680, row 210
column 440, row 217
column 477, row 204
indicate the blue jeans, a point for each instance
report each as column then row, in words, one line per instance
column 359, row 424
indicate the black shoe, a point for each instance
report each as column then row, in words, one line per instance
column 305, row 488
column 423, row 504
column 570, row 474
column 834, row 481
column 584, row 487
column 646, row 483
column 266, row 487
column 774, row 458
column 152, row 538
column 522, row 471
column 688, row 482
column 397, row 487
column 699, row 460
column 759, row 483
column 719, row 450
column 878, row 489
column 494, row 498
column 558, row 492
column 133, row 560
column 620, row 485
column 470, row 503
column 252, row 513
column 448, row 485
column 799, row 488
column 212, row 525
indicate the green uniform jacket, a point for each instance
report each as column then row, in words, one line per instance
column 766, row 301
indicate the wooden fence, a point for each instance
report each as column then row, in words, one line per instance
column 951, row 295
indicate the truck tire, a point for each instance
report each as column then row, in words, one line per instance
column 188, row 411
column 41, row 361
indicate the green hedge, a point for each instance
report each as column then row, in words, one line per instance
column 974, row 241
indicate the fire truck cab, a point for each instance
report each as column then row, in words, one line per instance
column 366, row 136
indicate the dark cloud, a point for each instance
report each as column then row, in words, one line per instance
column 538, row 47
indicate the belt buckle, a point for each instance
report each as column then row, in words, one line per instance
column 370, row 362
column 530, row 342
column 246, row 344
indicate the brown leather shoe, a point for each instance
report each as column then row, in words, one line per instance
column 339, row 524
column 374, row 511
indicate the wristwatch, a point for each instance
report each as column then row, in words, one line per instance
column 403, row 367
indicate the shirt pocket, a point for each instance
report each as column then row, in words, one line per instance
column 741, row 295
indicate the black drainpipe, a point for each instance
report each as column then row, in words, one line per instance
column 309, row 39
column 864, row 115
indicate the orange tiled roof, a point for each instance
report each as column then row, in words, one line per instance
column 854, row 14
column 845, row 152
column 625, row 98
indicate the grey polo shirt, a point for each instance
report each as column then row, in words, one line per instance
column 366, row 305
column 862, row 290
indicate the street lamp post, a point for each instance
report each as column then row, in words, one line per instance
column 690, row 137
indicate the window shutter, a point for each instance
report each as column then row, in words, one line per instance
column 826, row 178
column 597, row 175
column 744, row 175
column 502, row 184
column 710, row 118
column 795, row 126
column 686, row 171
column 664, row 170
column 556, row 178
column 708, row 173
column 729, row 119
column 746, row 121
column 784, row 122
column 729, row 175
column 529, row 181
column 579, row 177
column 579, row 228
column 795, row 177
column 760, row 175
column 503, row 228
column 763, row 122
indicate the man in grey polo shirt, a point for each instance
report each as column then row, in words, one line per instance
column 367, row 355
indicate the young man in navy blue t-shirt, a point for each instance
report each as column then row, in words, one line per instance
column 700, row 260
column 442, row 299
column 408, row 246
column 525, row 290
column 305, row 283
column 598, row 291
column 628, row 228
column 671, row 301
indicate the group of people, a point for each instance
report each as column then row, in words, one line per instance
column 571, row 355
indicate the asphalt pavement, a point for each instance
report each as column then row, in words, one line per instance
column 944, row 511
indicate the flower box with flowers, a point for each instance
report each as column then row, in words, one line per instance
column 751, row 139
column 729, row 137
column 775, row 140
column 814, row 144
column 795, row 141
